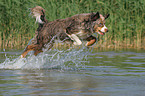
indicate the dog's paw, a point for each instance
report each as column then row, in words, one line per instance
column 91, row 42
column 22, row 56
column 77, row 43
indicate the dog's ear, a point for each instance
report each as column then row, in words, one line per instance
column 106, row 16
column 96, row 16
column 43, row 15
column 43, row 12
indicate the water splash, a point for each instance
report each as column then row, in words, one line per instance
column 73, row 58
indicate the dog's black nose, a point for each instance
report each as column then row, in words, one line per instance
column 106, row 30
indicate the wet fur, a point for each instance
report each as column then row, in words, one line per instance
column 78, row 27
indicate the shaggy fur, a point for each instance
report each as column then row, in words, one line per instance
column 72, row 29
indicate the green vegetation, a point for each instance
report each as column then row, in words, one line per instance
column 126, row 23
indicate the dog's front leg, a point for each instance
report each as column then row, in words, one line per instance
column 72, row 29
column 76, row 39
column 91, row 40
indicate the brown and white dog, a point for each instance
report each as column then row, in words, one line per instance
column 72, row 29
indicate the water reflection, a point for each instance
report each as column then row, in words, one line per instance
column 50, row 82
column 105, row 74
column 116, row 63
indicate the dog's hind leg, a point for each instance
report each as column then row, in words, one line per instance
column 27, row 49
column 91, row 40
column 37, row 52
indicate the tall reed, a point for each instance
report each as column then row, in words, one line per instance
column 126, row 22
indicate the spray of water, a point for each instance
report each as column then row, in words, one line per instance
column 72, row 58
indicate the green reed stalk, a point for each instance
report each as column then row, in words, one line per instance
column 126, row 21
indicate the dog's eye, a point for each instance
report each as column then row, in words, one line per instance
column 100, row 24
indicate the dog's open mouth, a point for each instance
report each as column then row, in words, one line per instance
column 102, row 33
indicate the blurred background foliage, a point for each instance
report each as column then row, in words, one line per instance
column 126, row 23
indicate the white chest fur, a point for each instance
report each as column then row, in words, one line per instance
column 82, row 34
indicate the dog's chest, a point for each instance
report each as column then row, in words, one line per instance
column 83, row 34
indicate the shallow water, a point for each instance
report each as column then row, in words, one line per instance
column 74, row 72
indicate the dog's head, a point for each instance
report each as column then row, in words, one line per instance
column 39, row 13
column 98, row 23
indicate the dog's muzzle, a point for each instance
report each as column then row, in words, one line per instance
column 103, row 30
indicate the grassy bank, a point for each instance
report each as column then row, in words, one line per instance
column 126, row 23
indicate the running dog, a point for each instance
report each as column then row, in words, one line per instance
column 72, row 29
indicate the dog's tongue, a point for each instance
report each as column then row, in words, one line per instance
column 101, row 33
